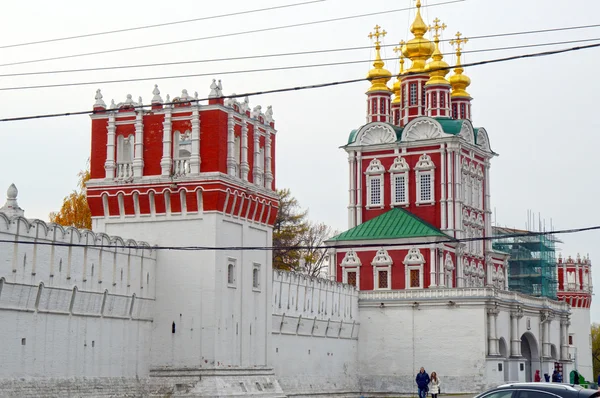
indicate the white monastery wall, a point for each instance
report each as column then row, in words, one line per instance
column 73, row 311
column 397, row 340
column 581, row 349
column 217, row 324
column 315, row 329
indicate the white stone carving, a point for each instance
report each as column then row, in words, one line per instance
column 256, row 112
column 382, row 258
column 269, row 114
column 399, row 165
column 216, row 90
column 483, row 140
column 414, row 256
column 376, row 133
column 425, row 163
column 351, row 259
column 467, row 133
column 423, row 129
column 375, row 167
column 245, row 105
column 11, row 207
column 448, row 263
column 99, row 102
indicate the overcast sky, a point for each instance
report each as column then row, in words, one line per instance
column 541, row 114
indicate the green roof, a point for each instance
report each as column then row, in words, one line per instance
column 396, row 223
column 450, row 126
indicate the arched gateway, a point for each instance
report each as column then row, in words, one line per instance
column 531, row 355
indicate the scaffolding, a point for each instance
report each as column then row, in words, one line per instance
column 532, row 263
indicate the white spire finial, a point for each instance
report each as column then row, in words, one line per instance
column 129, row 99
column 112, row 104
column 99, row 102
column 214, row 90
column 157, row 99
column 11, row 207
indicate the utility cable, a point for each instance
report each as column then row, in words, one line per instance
column 300, row 247
column 280, row 55
column 160, row 24
column 223, row 35
column 313, row 86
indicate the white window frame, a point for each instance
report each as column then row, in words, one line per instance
column 375, row 172
column 414, row 260
column 352, row 269
column 256, row 285
column 231, row 282
column 425, row 166
column 351, row 263
column 382, row 262
column 399, row 169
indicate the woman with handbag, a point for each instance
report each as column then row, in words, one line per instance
column 435, row 385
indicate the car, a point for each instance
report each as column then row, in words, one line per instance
column 539, row 390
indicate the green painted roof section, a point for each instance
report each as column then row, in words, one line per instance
column 393, row 224
column 450, row 126
column 352, row 136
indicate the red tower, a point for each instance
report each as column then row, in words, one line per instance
column 575, row 281
column 378, row 96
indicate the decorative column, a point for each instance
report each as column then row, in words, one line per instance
column 443, row 202
column 351, row 190
column 268, row 173
column 441, row 267
column 138, row 153
column 546, row 346
column 515, row 336
column 244, row 166
column 506, row 274
column 165, row 162
column 564, row 339
column 231, row 164
column 489, row 268
column 358, row 188
column 492, row 332
column 195, row 156
column 460, row 268
column 256, row 169
column 109, row 164
column 432, row 266
column 450, row 194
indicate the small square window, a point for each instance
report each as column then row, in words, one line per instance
column 383, row 279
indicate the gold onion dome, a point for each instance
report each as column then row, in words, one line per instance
column 438, row 68
column 458, row 81
column 379, row 76
column 398, row 83
column 418, row 49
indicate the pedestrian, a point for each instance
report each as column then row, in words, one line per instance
column 537, row 377
column 547, row 377
column 559, row 378
column 422, row 380
column 555, row 376
column 435, row 385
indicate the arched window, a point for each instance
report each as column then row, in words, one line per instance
column 413, row 269
column 125, row 156
column 382, row 270
column 351, row 269
column 256, row 277
column 231, row 279
column 182, row 150
column 425, row 180
column 399, row 181
column 375, row 184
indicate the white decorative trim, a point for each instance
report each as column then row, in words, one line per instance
column 382, row 258
column 423, row 129
column 393, row 198
column 399, row 165
column 375, row 167
column 467, row 133
column 375, row 133
column 351, row 259
column 419, row 177
column 448, row 263
column 414, row 260
column 413, row 257
column 483, row 140
column 345, row 276
column 425, row 163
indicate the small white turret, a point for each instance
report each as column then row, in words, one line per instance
column 11, row 207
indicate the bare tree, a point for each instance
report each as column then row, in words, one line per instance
column 314, row 252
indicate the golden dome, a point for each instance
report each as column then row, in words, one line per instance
column 418, row 49
column 379, row 76
column 438, row 68
column 458, row 81
column 398, row 84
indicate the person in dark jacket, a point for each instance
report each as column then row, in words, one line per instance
column 422, row 382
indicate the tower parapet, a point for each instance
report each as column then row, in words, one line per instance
column 575, row 281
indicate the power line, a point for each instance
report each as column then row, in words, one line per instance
column 299, row 247
column 160, row 24
column 320, row 85
column 224, row 35
column 269, row 69
column 277, row 55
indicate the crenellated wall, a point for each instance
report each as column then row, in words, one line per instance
column 315, row 335
column 73, row 303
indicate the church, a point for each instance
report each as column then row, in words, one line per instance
column 164, row 297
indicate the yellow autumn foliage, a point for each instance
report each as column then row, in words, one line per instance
column 75, row 211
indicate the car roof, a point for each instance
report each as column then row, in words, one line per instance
column 542, row 385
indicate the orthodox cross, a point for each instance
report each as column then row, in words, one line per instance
column 377, row 35
column 458, row 41
column 437, row 28
column 398, row 50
